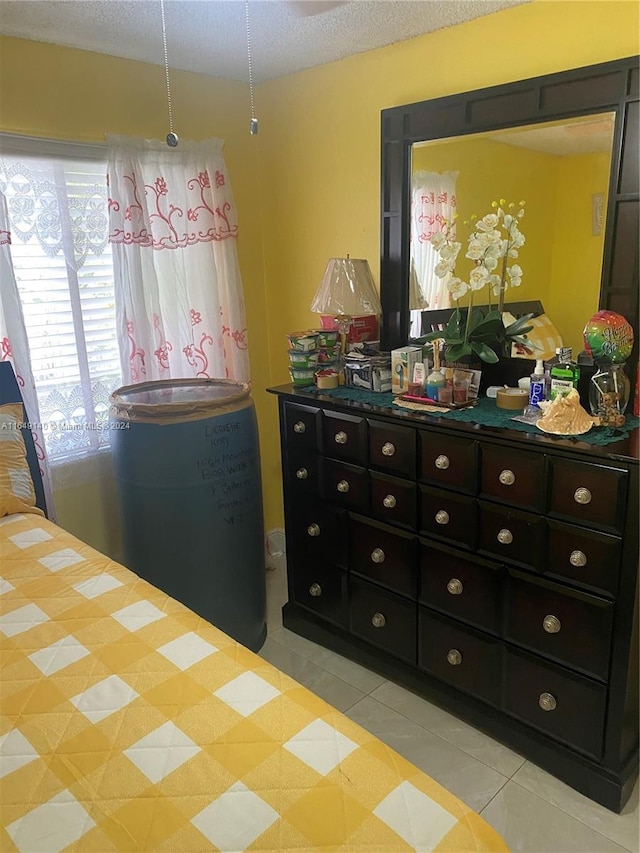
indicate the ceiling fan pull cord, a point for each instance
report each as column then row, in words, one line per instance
column 253, row 124
column 172, row 138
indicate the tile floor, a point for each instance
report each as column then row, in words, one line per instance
column 533, row 811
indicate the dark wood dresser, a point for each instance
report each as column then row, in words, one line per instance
column 494, row 572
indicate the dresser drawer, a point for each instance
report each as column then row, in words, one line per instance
column 383, row 619
column 512, row 476
column 591, row 495
column 323, row 589
column 345, row 485
column 303, row 475
column 394, row 500
column 386, row 556
column 559, row 703
column 392, row 448
column 446, row 460
column 513, row 536
column 319, row 532
column 302, row 426
column 571, row 627
column 470, row 590
column 584, row 557
column 344, row 437
column 462, row 657
column 448, row 515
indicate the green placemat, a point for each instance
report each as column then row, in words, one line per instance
column 485, row 412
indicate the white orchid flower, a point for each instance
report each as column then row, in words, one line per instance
column 457, row 287
column 490, row 263
column 508, row 220
column 478, row 278
column 444, row 267
column 518, row 239
column 450, row 252
column 515, row 271
column 438, row 240
column 512, row 253
column 487, row 223
column 475, row 251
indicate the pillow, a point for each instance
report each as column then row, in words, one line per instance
column 16, row 486
column 543, row 340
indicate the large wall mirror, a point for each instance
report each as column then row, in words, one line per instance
column 567, row 144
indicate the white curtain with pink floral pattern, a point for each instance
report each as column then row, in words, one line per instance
column 433, row 200
column 14, row 347
column 173, row 225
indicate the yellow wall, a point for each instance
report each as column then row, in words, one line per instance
column 315, row 166
column 577, row 254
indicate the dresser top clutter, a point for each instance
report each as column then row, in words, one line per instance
column 490, row 570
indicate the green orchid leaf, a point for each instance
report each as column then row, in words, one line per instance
column 455, row 353
column 518, row 326
column 486, row 353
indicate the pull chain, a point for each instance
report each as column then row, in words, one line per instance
column 253, row 125
column 172, row 138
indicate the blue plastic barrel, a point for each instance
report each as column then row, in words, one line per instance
column 187, row 468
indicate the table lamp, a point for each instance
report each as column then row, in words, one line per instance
column 346, row 291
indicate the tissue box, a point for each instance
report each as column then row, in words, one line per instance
column 371, row 372
column 403, row 361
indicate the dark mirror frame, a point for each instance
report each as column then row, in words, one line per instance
column 607, row 87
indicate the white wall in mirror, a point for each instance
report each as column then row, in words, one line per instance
column 557, row 168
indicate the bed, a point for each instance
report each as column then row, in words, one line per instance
column 128, row 723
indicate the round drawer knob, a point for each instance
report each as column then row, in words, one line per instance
column 442, row 517
column 313, row 530
column 378, row 620
column 343, row 486
column 455, row 587
column 547, row 702
column 505, row 537
column 302, row 473
column 377, row 555
column 578, row 558
column 507, row 478
column 389, row 502
column 299, row 427
column 315, row 590
column 442, row 463
column 340, row 437
column 388, row 449
column 582, row 496
column 551, row 624
column 454, row 657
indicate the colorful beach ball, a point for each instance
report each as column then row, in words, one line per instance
column 608, row 335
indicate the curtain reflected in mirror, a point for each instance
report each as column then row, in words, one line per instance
column 561, row 169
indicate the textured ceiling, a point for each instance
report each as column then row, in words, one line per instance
column 210, row 37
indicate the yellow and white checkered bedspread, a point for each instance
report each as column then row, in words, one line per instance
column 128, row 723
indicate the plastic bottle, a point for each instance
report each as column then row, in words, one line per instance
column 537, row 385
column 564, row 375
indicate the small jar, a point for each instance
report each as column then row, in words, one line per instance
column 445, row 394
column 460, row 390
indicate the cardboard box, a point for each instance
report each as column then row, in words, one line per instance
column 361, row 328
column 370, row 372
column 403, row 361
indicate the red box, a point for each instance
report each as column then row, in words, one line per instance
column 361, row 329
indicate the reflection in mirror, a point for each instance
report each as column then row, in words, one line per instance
column 561, row 169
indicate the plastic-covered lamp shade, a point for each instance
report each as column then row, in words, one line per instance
column 346, row 289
